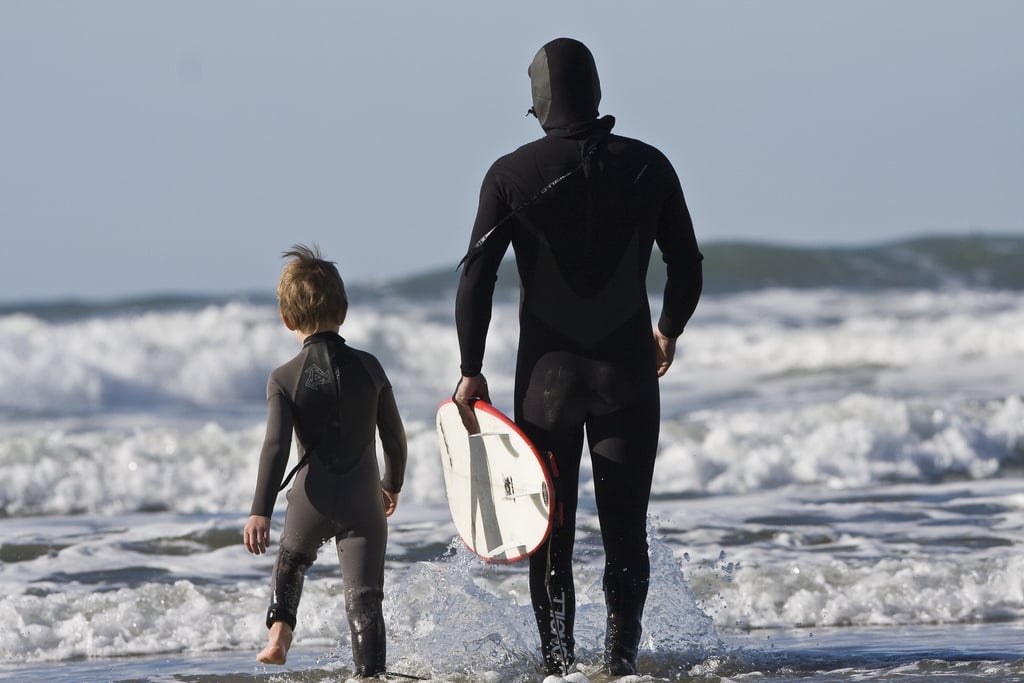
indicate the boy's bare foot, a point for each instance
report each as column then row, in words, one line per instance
column 276, row 651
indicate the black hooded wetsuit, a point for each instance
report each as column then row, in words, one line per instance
column 582, row 209
column 335, row 398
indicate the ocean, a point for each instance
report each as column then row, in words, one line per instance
column 839, row 494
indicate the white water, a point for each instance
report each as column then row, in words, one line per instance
column 829, row 460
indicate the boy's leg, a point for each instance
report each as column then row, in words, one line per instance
column 278, row 643
column 304, row 532
column 361, row 555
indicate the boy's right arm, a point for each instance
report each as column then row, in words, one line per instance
column 277, row 445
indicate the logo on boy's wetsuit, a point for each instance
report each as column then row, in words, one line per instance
column 316, row 377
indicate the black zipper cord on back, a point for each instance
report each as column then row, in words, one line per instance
column 584, row 165
column 336, row 423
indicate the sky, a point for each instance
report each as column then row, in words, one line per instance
column 179, row 147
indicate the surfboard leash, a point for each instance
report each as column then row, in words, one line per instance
column 558, row 510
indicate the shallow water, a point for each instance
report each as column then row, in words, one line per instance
column 839, row 497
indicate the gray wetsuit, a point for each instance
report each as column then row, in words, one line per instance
column 335, row 399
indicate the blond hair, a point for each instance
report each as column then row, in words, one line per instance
column 310, row 292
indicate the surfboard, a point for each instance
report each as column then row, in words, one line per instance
column 500, row 491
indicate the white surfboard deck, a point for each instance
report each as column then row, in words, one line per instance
column 500, row 492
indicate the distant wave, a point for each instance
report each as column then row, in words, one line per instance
column 976, row 261
column 969, row 261
column 74, row 309
column 979, row 261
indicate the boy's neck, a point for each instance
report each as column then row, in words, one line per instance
column 302, row 335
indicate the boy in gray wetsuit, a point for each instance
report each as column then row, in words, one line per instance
column 335, row 398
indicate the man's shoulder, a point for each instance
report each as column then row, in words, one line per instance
column 540, row 145
column 528, row 149
column 635, row 145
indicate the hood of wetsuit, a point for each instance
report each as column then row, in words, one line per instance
column 566, row 89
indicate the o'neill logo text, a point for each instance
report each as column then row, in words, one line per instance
column 558, row 628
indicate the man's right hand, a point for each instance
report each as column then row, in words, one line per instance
column 468, row 391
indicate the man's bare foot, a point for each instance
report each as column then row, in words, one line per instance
column 276, row 651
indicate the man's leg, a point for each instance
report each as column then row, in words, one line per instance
column 552, row 588
column 623, row 448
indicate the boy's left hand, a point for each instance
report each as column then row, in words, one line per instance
column 256, row 535
column 390, row 502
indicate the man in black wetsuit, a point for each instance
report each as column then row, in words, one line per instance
column 582, row 209
column 336, row 399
